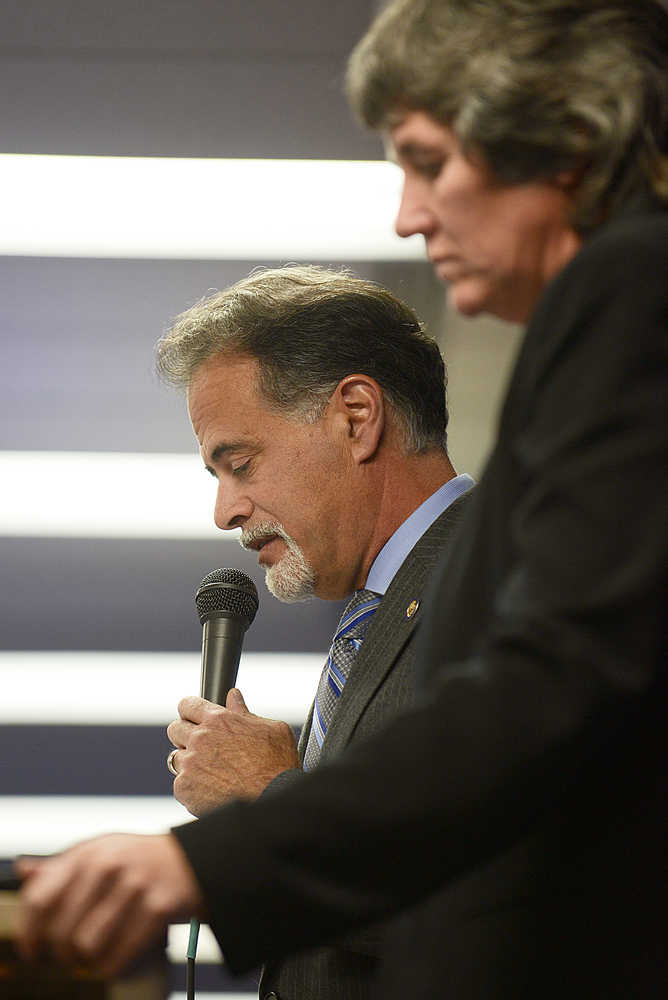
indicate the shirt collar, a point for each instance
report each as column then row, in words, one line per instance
column 397, row 547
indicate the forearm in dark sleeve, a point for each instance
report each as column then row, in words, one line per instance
column 569, row 658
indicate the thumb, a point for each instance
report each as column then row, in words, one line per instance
column 235, row 702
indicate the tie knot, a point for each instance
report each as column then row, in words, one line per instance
column 356, row 617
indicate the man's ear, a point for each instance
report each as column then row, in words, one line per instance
column 358, row 406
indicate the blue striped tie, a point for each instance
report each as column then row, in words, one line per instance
column 350, row 633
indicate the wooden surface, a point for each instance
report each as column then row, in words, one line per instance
column 25, row 981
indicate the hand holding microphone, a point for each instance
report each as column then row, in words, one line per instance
column 225, row 752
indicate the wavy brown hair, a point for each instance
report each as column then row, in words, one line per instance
column 308, row 327
column 536, row 86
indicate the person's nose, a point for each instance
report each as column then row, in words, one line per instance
column 233, row 507
column 414, row 215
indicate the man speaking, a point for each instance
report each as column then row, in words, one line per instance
column 319, row 407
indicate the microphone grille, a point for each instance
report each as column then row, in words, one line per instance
column 228, row 590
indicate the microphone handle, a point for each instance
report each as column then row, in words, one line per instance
column 222, row 639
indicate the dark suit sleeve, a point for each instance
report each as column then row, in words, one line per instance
column 566, row 664
column 282, row 781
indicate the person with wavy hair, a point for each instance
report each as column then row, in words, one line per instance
column 535, row 87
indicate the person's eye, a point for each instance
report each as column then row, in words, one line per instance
column 429, row 168
column 240, row 470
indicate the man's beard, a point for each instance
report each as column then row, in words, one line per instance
column 291, row 578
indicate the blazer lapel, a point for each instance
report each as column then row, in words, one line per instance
column 305, row 733
column 390, row 629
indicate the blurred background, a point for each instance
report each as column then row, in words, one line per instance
column 105, row 511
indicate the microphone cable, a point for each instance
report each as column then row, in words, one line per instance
column 191, row 954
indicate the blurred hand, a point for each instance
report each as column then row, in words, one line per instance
column 104, row 901
column 226, row 753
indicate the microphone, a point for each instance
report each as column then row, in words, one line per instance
column 226, row 602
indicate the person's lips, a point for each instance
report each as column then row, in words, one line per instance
column 269, row 549
column 448, row 268
column 264, row 542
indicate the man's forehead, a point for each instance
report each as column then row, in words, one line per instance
column 222, row 381
column 221, row 398
column 225, row 365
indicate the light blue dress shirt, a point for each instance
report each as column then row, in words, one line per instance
column 397, row 547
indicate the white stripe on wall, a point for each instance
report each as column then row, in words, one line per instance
column 188, row 208
column 82, row 494
column 43, row 824
column 116, row 688
column 207, row 946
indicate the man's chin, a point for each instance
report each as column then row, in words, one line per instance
column 286, row 588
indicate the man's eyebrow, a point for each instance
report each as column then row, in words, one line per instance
column 221, row 449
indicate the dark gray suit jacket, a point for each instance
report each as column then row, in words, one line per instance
column 381, row 685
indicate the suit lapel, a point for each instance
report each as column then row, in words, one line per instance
column 382, row 646
column 390, row 629
column 305, row 733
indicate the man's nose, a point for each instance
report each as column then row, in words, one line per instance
column 232, row 509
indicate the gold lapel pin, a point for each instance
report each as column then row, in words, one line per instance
column 412, row 608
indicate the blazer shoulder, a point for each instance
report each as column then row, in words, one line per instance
column 629, row 254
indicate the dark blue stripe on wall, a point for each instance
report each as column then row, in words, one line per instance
column 84, row 760
column 136, row 594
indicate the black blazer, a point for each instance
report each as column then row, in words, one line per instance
column 517, row 815
column 381, row 684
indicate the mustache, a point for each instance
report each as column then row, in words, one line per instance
column 266, row 529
